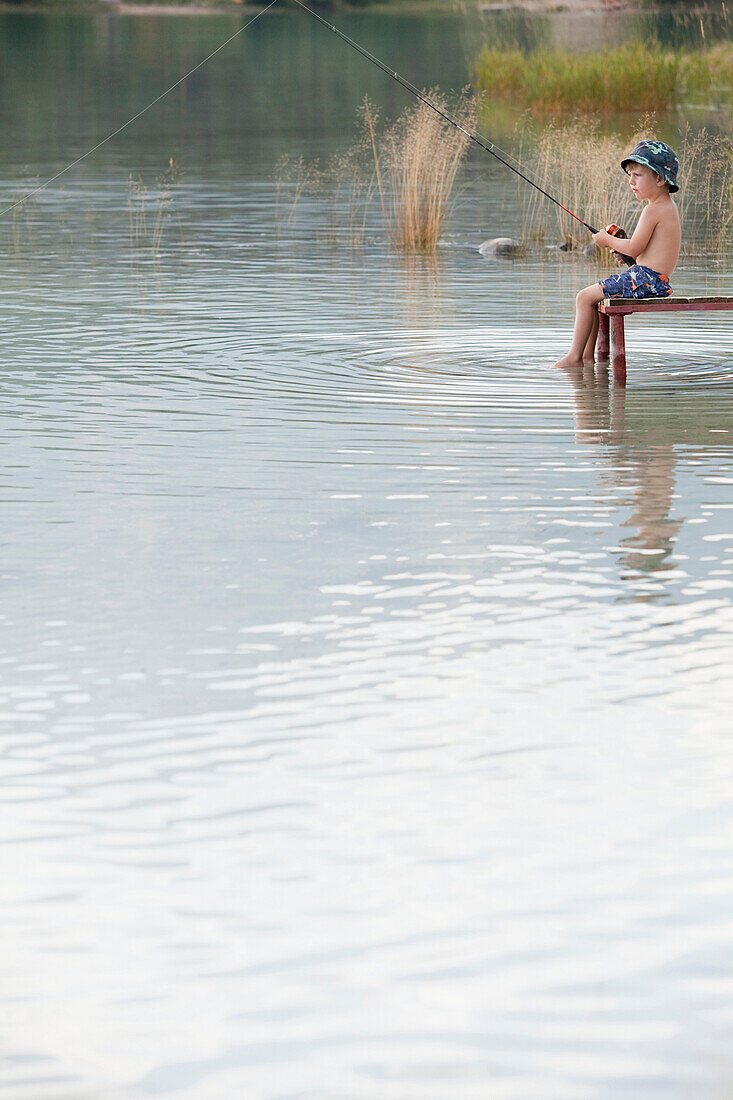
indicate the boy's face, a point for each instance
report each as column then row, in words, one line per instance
column 643, row 182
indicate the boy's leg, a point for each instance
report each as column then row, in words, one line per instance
column 589, row 351
column 603, row 341
column 586, row 323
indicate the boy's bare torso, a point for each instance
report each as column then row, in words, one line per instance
column 658, row 231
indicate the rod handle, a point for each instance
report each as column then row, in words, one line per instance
column 617, row 231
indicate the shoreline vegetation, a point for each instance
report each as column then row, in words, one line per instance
column 633, row 77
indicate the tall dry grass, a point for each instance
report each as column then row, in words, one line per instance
column 579, row 164
column 416, row 163
column 165, row 211
column 160, row 206
column 24, row 204
column 705, row 197
column 402, row 178
column 575, row 163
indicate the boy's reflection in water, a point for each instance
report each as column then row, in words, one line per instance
column 642, row 461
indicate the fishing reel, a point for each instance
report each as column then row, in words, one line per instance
column 617, row 231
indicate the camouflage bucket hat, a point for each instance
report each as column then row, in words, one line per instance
column 657, row 156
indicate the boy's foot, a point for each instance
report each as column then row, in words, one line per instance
column 568, row 362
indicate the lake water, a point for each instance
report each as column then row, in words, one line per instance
column 365, row 683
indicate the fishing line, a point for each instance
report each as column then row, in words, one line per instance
column 137, row 116
column 488, row 146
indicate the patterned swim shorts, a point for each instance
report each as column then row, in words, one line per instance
column 637, row 282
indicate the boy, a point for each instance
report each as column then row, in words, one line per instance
column 654, row 246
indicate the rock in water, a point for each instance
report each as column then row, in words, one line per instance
column 504, row 247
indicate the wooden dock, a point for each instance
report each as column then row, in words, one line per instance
column 611, row 339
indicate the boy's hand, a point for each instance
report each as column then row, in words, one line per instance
column 605, row 240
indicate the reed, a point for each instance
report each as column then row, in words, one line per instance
column 577, row 162
column 356, row 177
column 137, row 219
column 416, row 163
column 160, row 206
column 403, row 177
column 633, row 77
column 165, row 208
column 705, row 198
column 24, row 204
column 295, row 178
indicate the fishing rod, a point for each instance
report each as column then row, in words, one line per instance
column 489, row 147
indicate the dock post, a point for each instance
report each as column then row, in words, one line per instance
column 618, row 348
column 602, row 343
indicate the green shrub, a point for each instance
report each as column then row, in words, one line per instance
column 633, row 77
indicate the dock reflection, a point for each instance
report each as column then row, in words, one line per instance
column 642, row 433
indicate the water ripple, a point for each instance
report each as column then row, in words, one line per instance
column 364, row 688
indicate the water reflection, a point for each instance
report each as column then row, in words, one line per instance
column 425, row 294
column 639, row 440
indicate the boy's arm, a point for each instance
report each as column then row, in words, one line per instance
column 638, row 240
